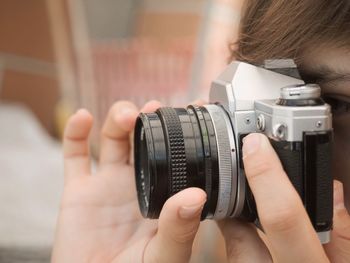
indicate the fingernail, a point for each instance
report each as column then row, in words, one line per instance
column 126, row 113
column 190, row 212
column 251, row 143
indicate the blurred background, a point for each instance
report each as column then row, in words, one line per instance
column 58, row 56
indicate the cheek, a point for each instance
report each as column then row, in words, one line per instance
column 341, row 153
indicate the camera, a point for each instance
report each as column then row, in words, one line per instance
column 201, row 146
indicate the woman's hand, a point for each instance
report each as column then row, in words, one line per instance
column 289, row 235
column 99, row 219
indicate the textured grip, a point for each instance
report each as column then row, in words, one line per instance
column 291, row 157
column 324, row 186
column 176, row 144
column 318, row 180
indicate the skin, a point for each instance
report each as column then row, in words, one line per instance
column 99, row 219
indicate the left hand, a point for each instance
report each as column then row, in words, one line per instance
column 289, row 235
column 99, row 219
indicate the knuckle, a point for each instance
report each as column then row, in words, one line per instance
column 257, row 168
column 184, row 236
column 282, row 219
column 177, row 232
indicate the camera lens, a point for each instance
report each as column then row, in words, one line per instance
column 177, row 148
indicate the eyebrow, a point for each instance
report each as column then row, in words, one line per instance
column 325, row 75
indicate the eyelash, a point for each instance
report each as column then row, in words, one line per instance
column 338, row 106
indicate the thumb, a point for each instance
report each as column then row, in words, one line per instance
column 177, row 226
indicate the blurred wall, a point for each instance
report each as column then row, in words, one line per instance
column 26, row 49
column 109, row 19
column 170, row 18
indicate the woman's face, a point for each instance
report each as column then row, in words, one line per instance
column 332, row 68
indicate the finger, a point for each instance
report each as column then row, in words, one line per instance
column 280, row 209
column 151, row 106
column 339, row 247
column 177, row 227
column 115, row 133
column 199, row 102
column 76, row 146
column 243, row 243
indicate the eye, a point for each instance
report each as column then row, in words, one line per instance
column 339, row 106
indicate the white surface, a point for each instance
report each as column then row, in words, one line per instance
column 248, row 83
column 31, row 173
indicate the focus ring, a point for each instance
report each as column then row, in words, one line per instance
column 178, row 166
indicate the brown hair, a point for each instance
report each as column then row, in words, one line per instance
column 286, row 28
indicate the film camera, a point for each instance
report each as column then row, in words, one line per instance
column 201, row 146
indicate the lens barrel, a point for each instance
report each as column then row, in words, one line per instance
column 175, row 149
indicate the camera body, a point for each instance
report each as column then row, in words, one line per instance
column 297, row 122
column 201, row 146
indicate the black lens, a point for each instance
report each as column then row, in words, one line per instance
column 143, row 169
column 175, row 149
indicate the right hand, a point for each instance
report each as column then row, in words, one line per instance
column 289, row 235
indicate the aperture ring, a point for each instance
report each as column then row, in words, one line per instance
column 177, row 155
column 227, row 161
